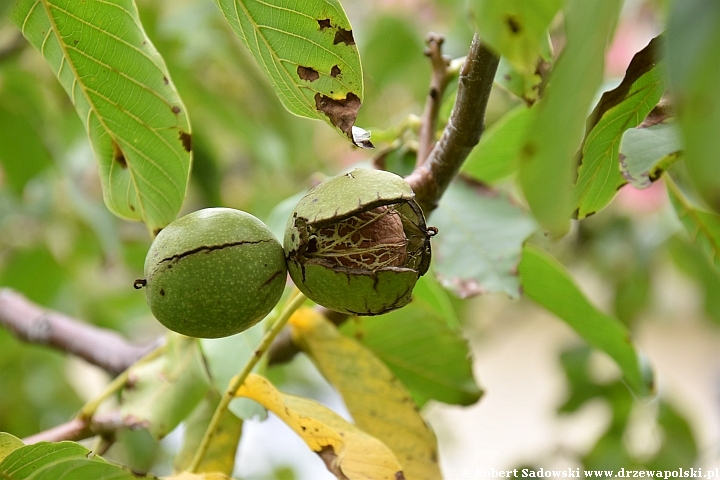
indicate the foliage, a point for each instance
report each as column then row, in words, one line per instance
column 118, row 116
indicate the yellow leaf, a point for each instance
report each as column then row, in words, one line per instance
column 347, row 451
column 377, row 400
column 197, row 476
column 8, row 443
column 220, row 456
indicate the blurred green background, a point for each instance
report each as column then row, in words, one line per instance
column 61, row 248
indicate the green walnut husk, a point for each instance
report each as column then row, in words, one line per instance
column 214, row 273
column 357, row 243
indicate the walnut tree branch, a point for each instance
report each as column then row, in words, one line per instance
column 438, row 83
column 430, row 179
column 105, row 425
column 31, row 323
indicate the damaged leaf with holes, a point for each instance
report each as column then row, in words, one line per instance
column 357, row 243
column 308, row 51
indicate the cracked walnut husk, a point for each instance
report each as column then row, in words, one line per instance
column 357, row 243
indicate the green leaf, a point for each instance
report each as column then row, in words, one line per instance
column 308, row 51
column 121, row 89
column 23, row 462
column 547, row 158
column 693, row 37
column 415, row 342
column 8, row 443
column 645, row 153
column 85, row 469
column 704, row 227
column 220, row 456
column 516, row 28
column 163, row 391
column 480, row 238
column 495, row 156
column 429, row 290
column 524, row 86
column 624, row 107
column 549, row 284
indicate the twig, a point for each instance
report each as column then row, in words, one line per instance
column 461, row 134
column 293, row 304
column 106, row 424
column 438, row 82
column 32, row 323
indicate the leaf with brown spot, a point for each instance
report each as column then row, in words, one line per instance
column 342, row 113
column 346, row 450
column 303, row 48
column 123, row 94
column 119, row 156
column 344, row 36
column 307, row 73
column 517, row 29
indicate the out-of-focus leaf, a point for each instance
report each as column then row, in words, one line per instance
column 35, row 273
column 516, row 28
column 429, row 291
column 163, row 391
column 547, row 158
column 647, row 152
column 8, row 443
column 401, row 46
column 696, row 264
column 432, row 360
column 704, row 227
column 480, row 238
column 122, row 92
column 308, row 51
column 495, row 157
column 22, row 462
column 346, row 449
column 678, row 446
column 220, row 456
column 22, row 151
column 197, row 476
column 225, row 357
column 549, row 284
column 524, row 86
column 624, row 107
column 693, row 37
column 85, row 469
column 632, row 294
column 379, row 404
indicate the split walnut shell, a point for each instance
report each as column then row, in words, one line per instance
column 214, row 273
column 357, row 243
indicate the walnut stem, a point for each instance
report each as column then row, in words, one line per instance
column 462, row 132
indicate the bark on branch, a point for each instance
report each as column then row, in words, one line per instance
column 32, row 323
column 430, row 179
